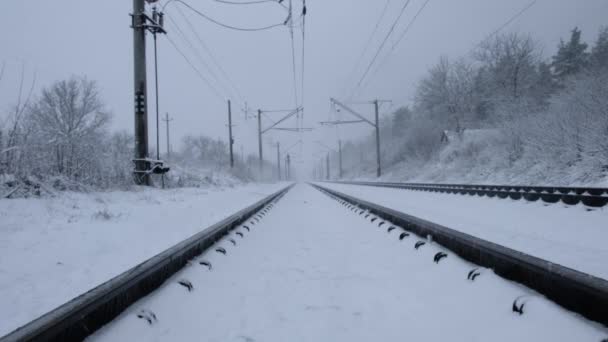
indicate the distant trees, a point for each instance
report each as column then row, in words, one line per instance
column 545, row 116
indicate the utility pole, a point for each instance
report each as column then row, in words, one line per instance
column 167, row 120
column 279, row 160
column 375, row 124
column 260, row 140
column 273, row 126
column 288, row 166
column 378, row 162
column 141, row 99
column 231, row 141
column 327, row 165
column 340, row 157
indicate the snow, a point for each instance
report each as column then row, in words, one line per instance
column 54, row 249
column 568, row 235
column 312, row 270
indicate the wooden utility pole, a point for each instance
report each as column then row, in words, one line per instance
column 141, row 99
column 340, row 157
column 167, row 120
column 279, row 161
column 377, row 125
column 327, row 166
column 288, row 167
column 231, row 140
column 260, row 140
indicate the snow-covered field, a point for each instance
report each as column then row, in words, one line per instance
column 312, row 270
column 53, row 249
column 568, row 235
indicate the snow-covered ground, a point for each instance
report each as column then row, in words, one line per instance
column 53, row 249
column 312, row 270
column 568, row 235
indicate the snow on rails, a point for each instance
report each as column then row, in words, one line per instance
column 333, row 268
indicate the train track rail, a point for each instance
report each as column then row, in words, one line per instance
column 573, row 290
column 592, row 197
column 82, row 316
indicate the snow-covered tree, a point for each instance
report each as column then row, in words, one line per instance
column 599, row 52
column 571, row 57
column 69, row 120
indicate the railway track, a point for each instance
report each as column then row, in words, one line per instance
column 574, row 290
column 592, row 197
column 82, row 316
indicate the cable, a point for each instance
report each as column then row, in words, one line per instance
column 396, row 43
column 511, row 20
column 220, row 23
column 198, row 55
column 369, row 40
column 382, row 45
column 212, row 56
column 219, row 96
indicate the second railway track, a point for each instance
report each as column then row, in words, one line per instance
column 592, row 197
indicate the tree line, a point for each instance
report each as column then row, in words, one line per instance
column 548, row 112
column 60, row 139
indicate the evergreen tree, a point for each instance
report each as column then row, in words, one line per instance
column 599, row 53
column 571, row 57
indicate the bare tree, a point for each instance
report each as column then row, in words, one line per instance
column 69, row 119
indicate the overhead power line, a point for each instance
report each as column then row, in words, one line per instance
column 212, row 56
column 369, row 41
column 200, row 75
column 199, row 57
column 383, row 43
column 396, row 43
column 203, row 15
column 508, row 22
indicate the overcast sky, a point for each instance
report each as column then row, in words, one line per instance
column 57, row 39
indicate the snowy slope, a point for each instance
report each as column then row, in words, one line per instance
column 53, row 249
column 566, row 235
column 312, row 270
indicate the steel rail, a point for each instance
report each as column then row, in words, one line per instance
column 573, row 290
column 593, row 197
column 83, row 315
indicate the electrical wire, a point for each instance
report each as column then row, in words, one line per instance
column 206, row 81
column 396, row 43
column 517, row 15
column 382, row 45
column 368, row 42
column 212, row 56
column 249, row 29
column 198, row 55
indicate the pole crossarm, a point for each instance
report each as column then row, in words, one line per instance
column 294, row 112
column 352, row 111
column 343, row 122
column 289, row 129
